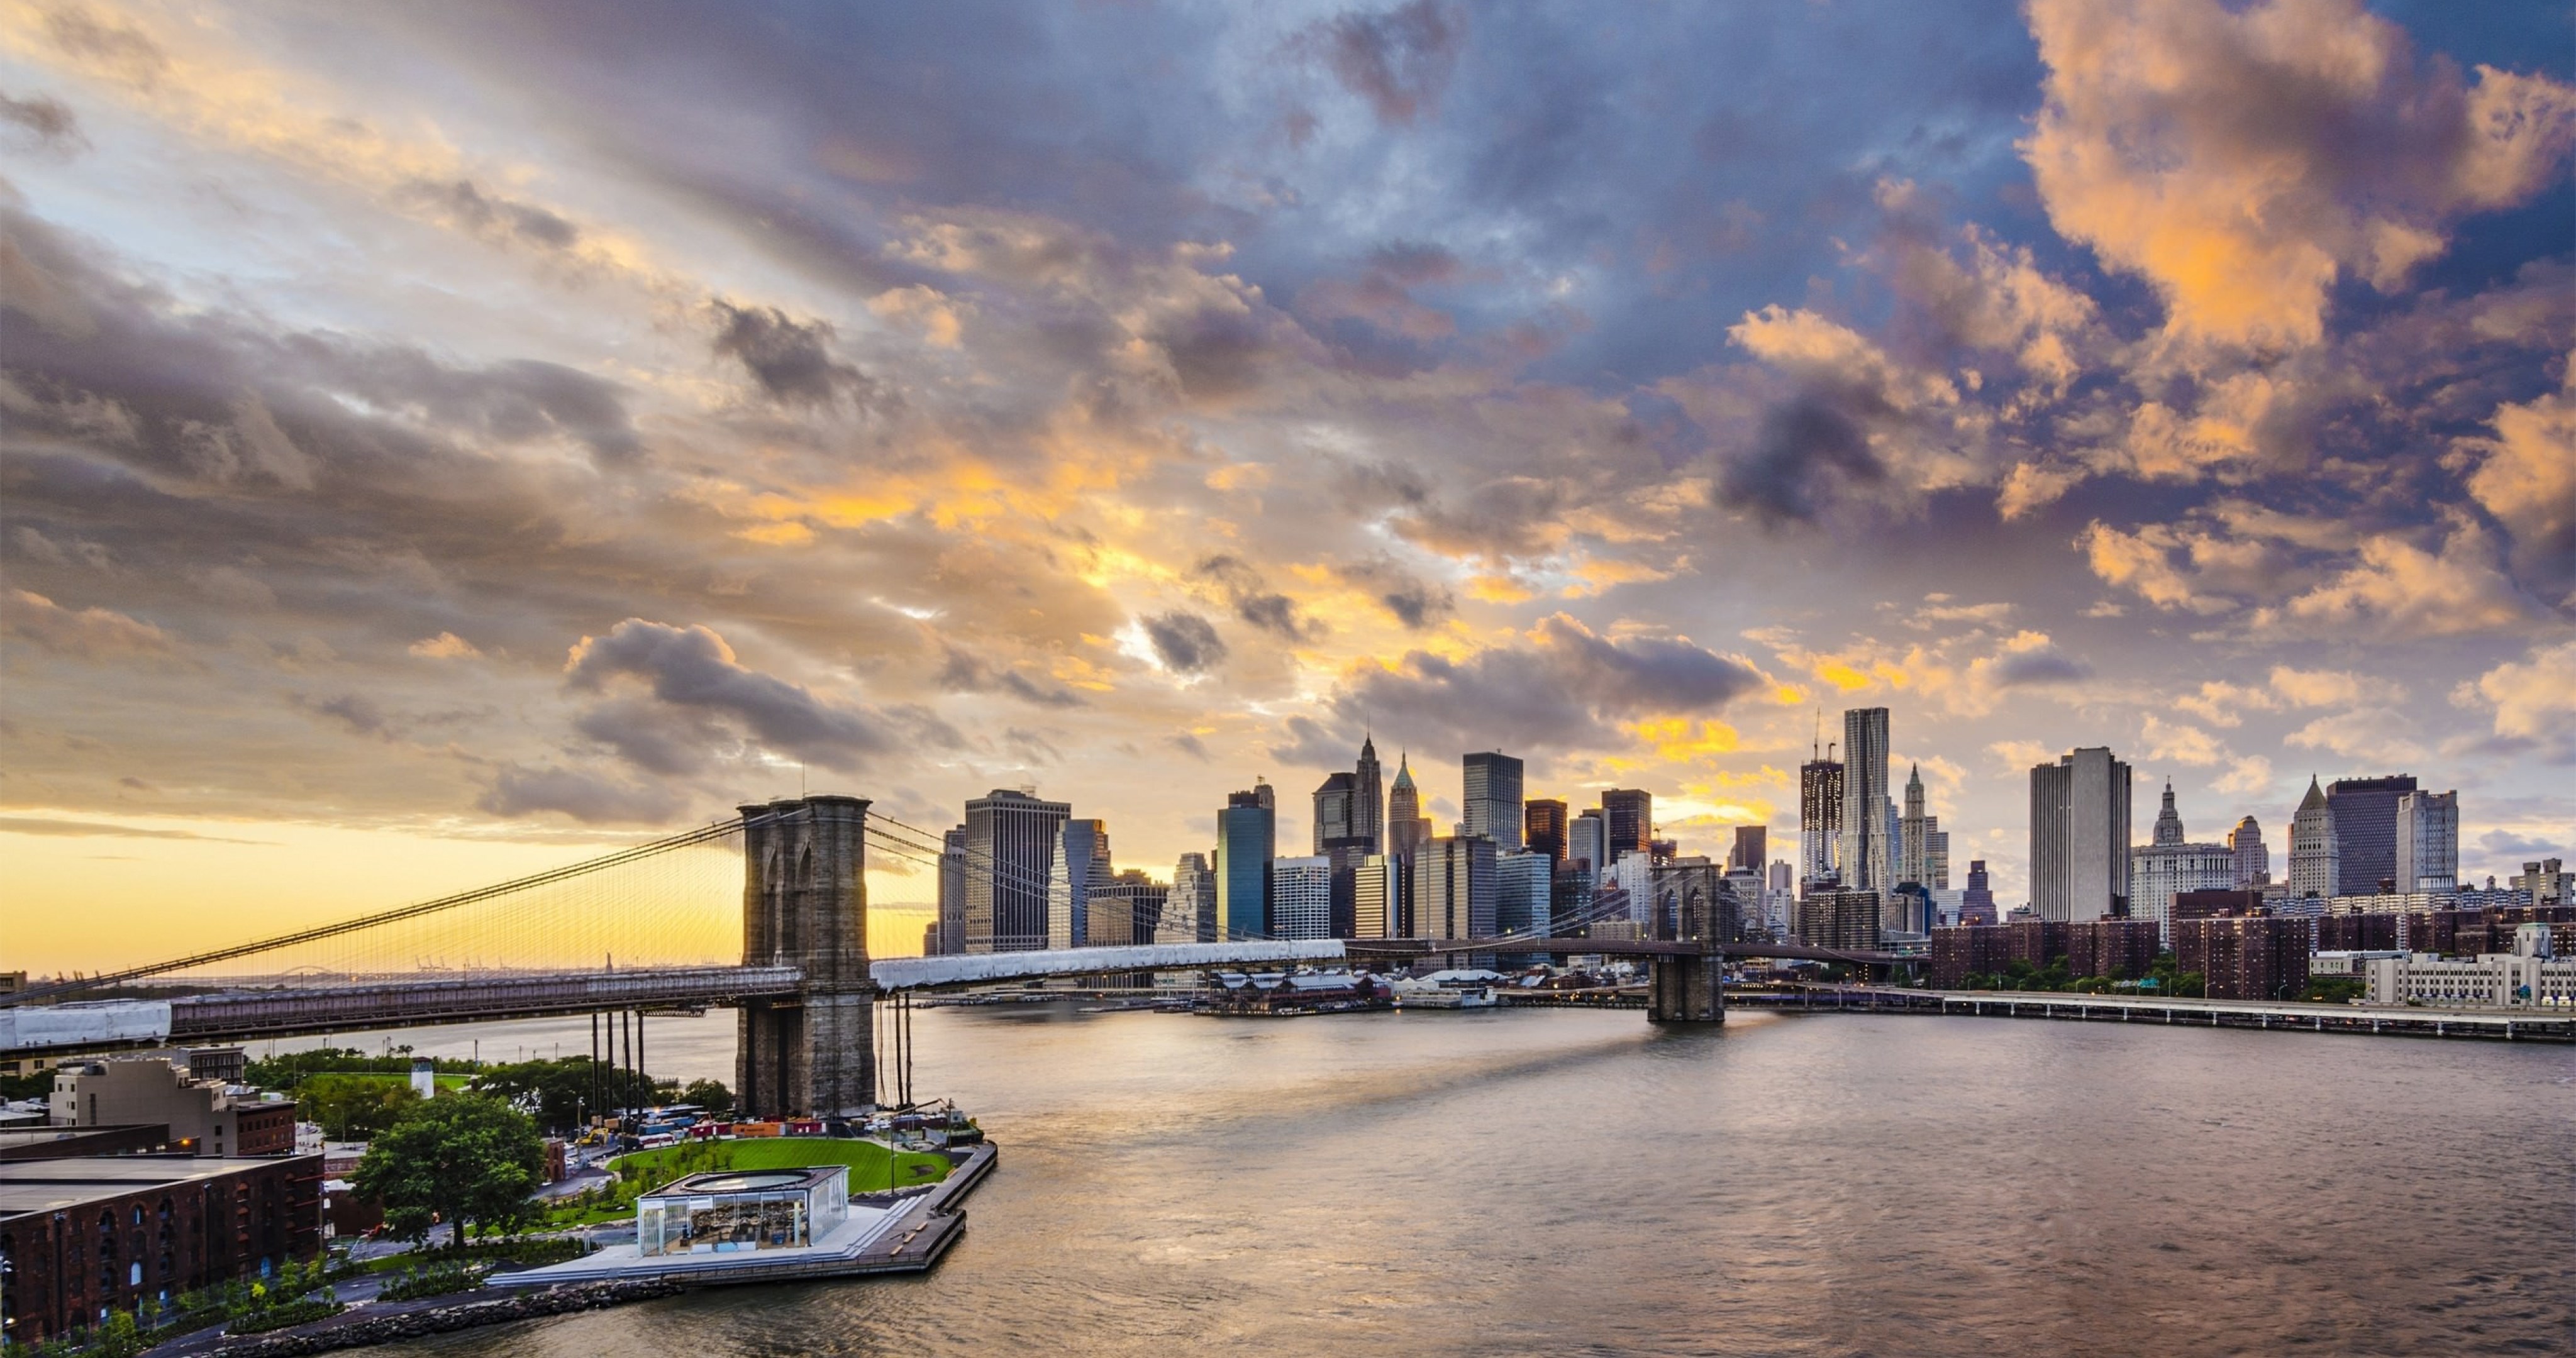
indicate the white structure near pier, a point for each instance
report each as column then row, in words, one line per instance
column 2529, row 976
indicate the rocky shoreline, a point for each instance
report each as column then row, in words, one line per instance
column 361, row 1329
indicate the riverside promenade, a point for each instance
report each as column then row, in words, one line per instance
column 2494, row 1025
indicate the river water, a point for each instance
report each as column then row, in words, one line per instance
column 1569, row 1181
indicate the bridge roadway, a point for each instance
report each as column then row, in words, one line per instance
column 309, row 1009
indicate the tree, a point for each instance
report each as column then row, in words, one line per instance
column 560, row 1093
column 353, row 1107
column 710, row 1095
column 463, row 1159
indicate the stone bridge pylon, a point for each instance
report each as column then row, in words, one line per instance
column 805, row 905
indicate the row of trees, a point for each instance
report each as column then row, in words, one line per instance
column 2058, row 976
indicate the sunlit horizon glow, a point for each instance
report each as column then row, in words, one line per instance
column 446, row 442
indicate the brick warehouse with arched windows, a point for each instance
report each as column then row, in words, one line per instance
column 96, row 1234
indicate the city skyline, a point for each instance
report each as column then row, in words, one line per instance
column 510, row 457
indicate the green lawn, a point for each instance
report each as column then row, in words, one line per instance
column 874, row 1167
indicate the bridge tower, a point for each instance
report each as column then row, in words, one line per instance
column 805, row 904
column 1689, row 988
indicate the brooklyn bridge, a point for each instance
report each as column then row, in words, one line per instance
column 810, row 1001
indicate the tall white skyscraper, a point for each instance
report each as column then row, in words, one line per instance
column 2079, row 836
column 1301, row 897
column 2428, row 841
column 1868, row 859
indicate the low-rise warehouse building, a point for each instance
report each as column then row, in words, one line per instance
column 88, row 1236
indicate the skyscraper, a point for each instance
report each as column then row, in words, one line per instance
column 1247, row 839
column 1913, row 835
column 952, row 892
column 1977, row 903
column 2313, row 846
column 1406, row 829
column 1301, row 897
column 2365, row 829
column 1867, row 856
column 1752, row 848
column 1335, row 803
column 2428, row 841
column 2161, row 870
column 2079, row 836
column 1493, row 798
column 1081, row 863
column 1628, row 818
column 1191, row 908
column 1522, row 902
column 1820, row 820
column 1131, row 908
column 1368, row 798
column 2253, row 857
column 1012, row 839
column 1453, row 888
column 1377, row 890
column 1543, row 827
column 1587, row 851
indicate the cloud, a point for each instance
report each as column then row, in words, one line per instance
column 1185, row 642
column 2526, row 477
column 1566, row 686
column 2181, row 744
column 42, row 123
column 2533, row 699
column 2245, row 160
column 693, row 670
column 2031, row 658
column 445, row 646
column 39, row 825
column 1310, row 746
column 98, row 635
column 2372, row 735
column 2455, row 591
column 588, row 797
column 963, row 671
column 790, row 359
column 493, row 217
column 1399, row 60
column 2507, row 843
column 355, row 711
column 1252, row 599
column 1413, row 601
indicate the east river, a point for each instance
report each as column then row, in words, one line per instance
column 1567, row 1181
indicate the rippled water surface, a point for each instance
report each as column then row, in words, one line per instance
column 1566, row 1181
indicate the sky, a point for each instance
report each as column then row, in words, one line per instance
column 442, row 441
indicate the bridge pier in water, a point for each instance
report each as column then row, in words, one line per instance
column 805, row 905
column 1686, row 989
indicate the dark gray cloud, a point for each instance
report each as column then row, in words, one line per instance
column 43, row 123
column 1564, row 690
column 692, row 668
column 1808, row 447
column 1415, row 602
column 1185, row 642
column 2044, row 664
column 357, row 712
column 1399, row 60
column 790, row 359
column 493, row 216
column 1250, row 596
column 1190, row 745
column 963, row 671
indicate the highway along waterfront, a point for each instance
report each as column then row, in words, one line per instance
column 1565, row 1180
